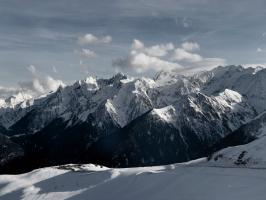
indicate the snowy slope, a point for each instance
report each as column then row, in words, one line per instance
column 252, row 154
column 183, row 182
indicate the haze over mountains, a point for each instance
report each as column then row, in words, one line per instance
column 126, row 122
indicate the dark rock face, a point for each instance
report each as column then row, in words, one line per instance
column 10, row 153
column 243, row 135
column 57, row 144
column 146, row 141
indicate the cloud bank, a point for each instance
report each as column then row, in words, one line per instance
column 6, row 92
column 165, row 57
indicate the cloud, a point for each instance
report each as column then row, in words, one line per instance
column 259, row 50
column 137, row 44
column 52, row 84
column 6, row 92
column 255, row 65
column 87, row 53
column 159, row 50
column 32, row 69
column 142, row 58
column 206, row 64
column 32, row 88
column 186, row 22
column 183, row 55
column 190, row 46
column 54, row 69
column 156, row 50
column 143, row 62
column 203, row 65
column 165, row 57
column 92, row 39
column 39, row 84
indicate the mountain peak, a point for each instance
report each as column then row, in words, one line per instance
column 231, row 95
column 167, row 113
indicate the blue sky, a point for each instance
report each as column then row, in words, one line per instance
column 71, row 39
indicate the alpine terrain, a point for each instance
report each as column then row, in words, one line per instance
column 131, row 122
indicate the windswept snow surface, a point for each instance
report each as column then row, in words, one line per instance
column 180, row 181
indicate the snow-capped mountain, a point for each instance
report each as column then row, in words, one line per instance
column 174, row 133
column 249, row 82
column 124, row 121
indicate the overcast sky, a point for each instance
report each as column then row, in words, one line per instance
column 70, row 39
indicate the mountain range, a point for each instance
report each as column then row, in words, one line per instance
column 128, row 122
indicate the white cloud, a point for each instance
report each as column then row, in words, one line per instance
column 106, row 39
column 142, row 62
column 159, row 50
column 203, row 65
column 39, row 84
column 259, row 50
column 6, row 92
column 87, row 53
column 185, row 23
column 32, row 69
column 54, row 69
column 142, row 58
column 92, row 39
column 255, row 65
column 207, row 64
column 165, row 57
column 137, row 44
column 88, row 38
column 190, row 46
column 183, row 55
column 51, row 84
column 156, row 50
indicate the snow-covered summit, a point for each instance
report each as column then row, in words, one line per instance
column 167, row 113
column 14, row 100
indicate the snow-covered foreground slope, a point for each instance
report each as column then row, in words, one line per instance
column 252, row 154
column 183, row 182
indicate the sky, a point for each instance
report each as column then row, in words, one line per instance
column 47, row 43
